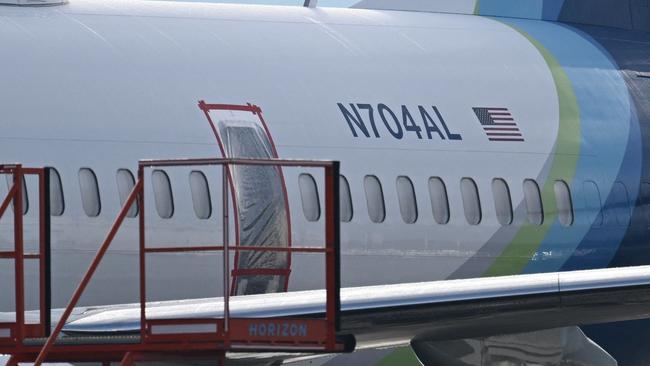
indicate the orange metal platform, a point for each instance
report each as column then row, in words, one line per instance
column 169, row 338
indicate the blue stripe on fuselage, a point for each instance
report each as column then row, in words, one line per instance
column 606, row 120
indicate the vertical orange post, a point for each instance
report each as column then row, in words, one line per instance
column 226, row 255
column 19, row 261
column 41, row 247
column 142, row 246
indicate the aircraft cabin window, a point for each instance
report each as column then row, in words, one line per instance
column 374, row 199
column 533, row 199
column 408, row 207
column 620, row 204
column 125, row 184
column 89, row 192
column 345, row 199
column 10, row 183
column 309, row 197
column 593, row 203
column 57, row 203
column 439, row 200
column 162, row 191
column 200, row 195
column 502, row 201
column 563, row 202
column 471, row 201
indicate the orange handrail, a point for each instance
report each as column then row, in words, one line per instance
column 328, row 326
column 89, row 273
column 15, row 196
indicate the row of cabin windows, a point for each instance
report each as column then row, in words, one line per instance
column 201, row 200
column 471, row 200
column 91, row 201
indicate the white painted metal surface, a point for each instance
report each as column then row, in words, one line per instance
column 604, row 278
column 126, row 318
column 139, row 100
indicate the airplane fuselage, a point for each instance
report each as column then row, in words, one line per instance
column 534, row 131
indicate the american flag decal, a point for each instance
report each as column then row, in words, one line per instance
column 498, row 124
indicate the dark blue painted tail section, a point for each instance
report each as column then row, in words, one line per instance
column 623, row 14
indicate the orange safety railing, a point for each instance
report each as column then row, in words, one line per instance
column 14, row 333
column 227, row 333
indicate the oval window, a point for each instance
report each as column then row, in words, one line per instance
column 563, row 202
column 57, row 203
column 533, row 200
column 309, row 196
column 125, row 184
column 471, row 201
column 89, row 192
column 593, row 203
column 406, row 195
column 345, row 199
column 200, row 195
column 502, row 201
column 162, row 190
column 439, row 200
column 374, row 199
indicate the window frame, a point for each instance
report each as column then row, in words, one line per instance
column 314, row 199
column 599, row 219
column 97, row 191
column 194, row 194
column 478, row 208
column 538, row 196
column 403, row 206
column 382, row 200
column 54, row 173
column 560, row 212
column 446, row 201
column 157, row 194
column 134, row 210
column 345, row 194
column 497, row 204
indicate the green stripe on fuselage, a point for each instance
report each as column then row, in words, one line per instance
column 522, row 249
column 477, row 7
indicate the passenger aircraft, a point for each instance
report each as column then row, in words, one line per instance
column 498, row 144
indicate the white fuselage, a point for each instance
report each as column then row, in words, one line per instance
column 101, row 85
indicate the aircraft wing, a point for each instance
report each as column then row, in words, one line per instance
column 429, row 311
